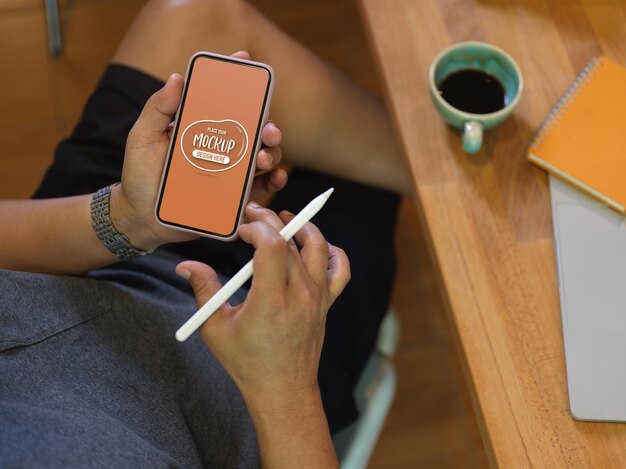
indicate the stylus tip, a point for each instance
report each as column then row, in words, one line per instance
column 328, row 192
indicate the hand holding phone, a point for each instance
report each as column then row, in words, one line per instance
column 211, row 160
column 133, row 203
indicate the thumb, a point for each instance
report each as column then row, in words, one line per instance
column 159, row 110
column 202, row 278
column 242, row 54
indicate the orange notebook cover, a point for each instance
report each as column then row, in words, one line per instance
column 583, row 140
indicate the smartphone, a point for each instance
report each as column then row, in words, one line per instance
column 211, row 159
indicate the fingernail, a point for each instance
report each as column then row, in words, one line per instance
column 184, row 273
column 253, row 204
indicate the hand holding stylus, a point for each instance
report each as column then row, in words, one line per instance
column 274, row 338
column 286, row 232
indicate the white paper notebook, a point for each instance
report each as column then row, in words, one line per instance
column 590, row 244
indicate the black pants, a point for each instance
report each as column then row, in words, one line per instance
column 358, row 218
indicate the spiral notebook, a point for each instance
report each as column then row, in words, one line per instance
column 583, row 139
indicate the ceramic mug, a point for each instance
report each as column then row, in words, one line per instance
column 475, row 56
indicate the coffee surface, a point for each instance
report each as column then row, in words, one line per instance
column 473, row 91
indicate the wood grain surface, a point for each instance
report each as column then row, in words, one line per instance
column 488, row 216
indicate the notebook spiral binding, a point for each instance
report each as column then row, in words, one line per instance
column 564, row 103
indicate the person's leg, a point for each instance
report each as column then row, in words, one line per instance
column 329, row 124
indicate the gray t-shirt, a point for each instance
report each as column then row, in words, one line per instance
column 92, row 376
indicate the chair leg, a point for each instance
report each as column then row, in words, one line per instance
column 374, row 395
column 54, row 28
column 389, row 334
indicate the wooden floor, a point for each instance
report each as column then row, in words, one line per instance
column 431, row 424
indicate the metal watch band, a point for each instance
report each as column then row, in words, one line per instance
column 112, row 239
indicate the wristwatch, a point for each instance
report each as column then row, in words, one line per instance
column 112, row 239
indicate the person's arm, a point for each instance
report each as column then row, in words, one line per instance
column 56, row 236
column 51, row 236
column 292, row 430
column 271, row 343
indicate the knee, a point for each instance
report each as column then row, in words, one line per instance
column 190, row 10
column 190, row 7
column 223, row 20
column 210, row 13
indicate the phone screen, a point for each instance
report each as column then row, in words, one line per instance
column 210, row 164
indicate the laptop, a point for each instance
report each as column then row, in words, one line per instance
column 591, row 263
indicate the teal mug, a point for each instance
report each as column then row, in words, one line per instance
column 474, row 86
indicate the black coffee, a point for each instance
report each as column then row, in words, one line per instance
column 473, row 91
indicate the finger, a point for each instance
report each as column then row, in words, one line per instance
column 158, row 111
column 242, row 54
column 202, row 278
column 271, row 135
column 314, row 252
column 338, row 274
column 268, row 158
column 270, row 257
column 255, row 212
column 296, row 273
column 268, row 183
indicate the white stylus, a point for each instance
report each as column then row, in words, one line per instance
column 241, row 277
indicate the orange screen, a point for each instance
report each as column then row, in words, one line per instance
column 214, row 140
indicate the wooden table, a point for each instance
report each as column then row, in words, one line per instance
column 488, row 216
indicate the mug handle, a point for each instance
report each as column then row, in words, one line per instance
column 472, row 136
